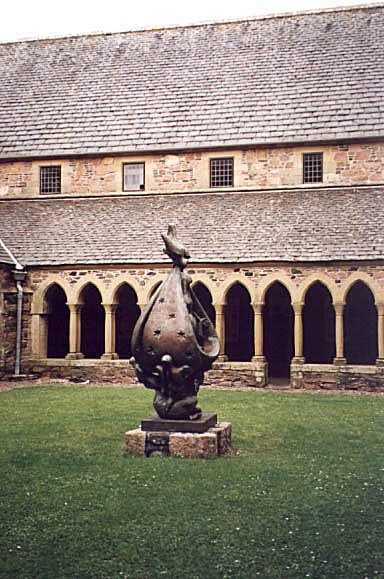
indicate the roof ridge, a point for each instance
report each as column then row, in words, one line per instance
column 278, row 15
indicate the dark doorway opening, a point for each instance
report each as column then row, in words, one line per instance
column 204, row 296
column 278, row 331
column 127, row 313
column 58, row 322
column 92, row 323
column 239, row 325
column 319, row 326
column 360, row 326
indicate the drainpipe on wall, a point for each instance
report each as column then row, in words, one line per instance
column 19, row 276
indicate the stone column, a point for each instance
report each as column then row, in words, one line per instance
column 258, row 329
column 380, row 334
column 298, row 332
column 110, row 332
column 220, row 329
column 259, row 361
column 339, row 310
column 74, row 332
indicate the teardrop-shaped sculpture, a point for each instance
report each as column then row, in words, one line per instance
column 174, row 342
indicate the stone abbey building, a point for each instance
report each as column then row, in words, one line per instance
column 261, row 139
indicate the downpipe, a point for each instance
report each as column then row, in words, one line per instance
column 19, row 276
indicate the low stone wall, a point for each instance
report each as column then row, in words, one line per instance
column 231, row 374
column 115, row 371
column 330, row 377
column 223, row 374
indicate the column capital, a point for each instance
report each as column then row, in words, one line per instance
column 297, row 307
column 258, row 307
column 74, row 307
column 109, row 308
column 219, row 308
column 339, row 307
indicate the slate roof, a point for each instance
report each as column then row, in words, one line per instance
column 7, row 257
column 297, row 225
column 294, row 78
column 4, row 257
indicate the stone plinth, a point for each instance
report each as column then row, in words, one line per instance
column 213, row 442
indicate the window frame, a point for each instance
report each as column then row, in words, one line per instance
column 320, row 155
column 46, row 168
column 213, row 160
column 142, row 186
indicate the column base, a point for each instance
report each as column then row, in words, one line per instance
column 339, row 361
column 258, row 359
column 110, row 356
column 74, row 356
column 260, row 370
column 298, row 360
column 380, row 362
column 222, row 358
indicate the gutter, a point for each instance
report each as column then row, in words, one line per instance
column 19, row 275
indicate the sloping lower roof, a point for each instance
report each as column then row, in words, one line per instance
column 297, row 225
column 292, row 78
column 6, row 256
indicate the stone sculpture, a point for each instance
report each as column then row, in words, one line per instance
column 174, row 341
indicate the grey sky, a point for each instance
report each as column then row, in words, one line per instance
column 25, row 19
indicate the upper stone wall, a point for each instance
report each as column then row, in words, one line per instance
column 264, row 168
column 289, row 79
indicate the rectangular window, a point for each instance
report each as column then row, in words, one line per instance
column 313, row 168
column 50, row 179
column 133, row 177
column 221, row 172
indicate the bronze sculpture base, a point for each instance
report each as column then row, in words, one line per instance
column 157, row 424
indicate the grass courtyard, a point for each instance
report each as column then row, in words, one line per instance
column 300, row 495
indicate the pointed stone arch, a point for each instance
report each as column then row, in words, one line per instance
column 40, row 310
column 86, row 280
column 37, row 304
column 205, row 297
column 360, row 325
column 314, row 278
column 127, row 312
column 230, row 281
column 92, row 321
column 269, row 280
column 278, row 328
column 318, row 315
column 239, row 323
column 57, row 322
column 376, row 289
column 116, row 285
column 152, row 285
column 207, row 281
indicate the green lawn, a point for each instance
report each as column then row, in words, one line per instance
column 301, row 494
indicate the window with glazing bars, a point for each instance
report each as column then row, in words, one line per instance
column 221, row 172
column 50, row 179
column 133, row 177
column 313, row 168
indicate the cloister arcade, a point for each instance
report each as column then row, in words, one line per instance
column 277, row 322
